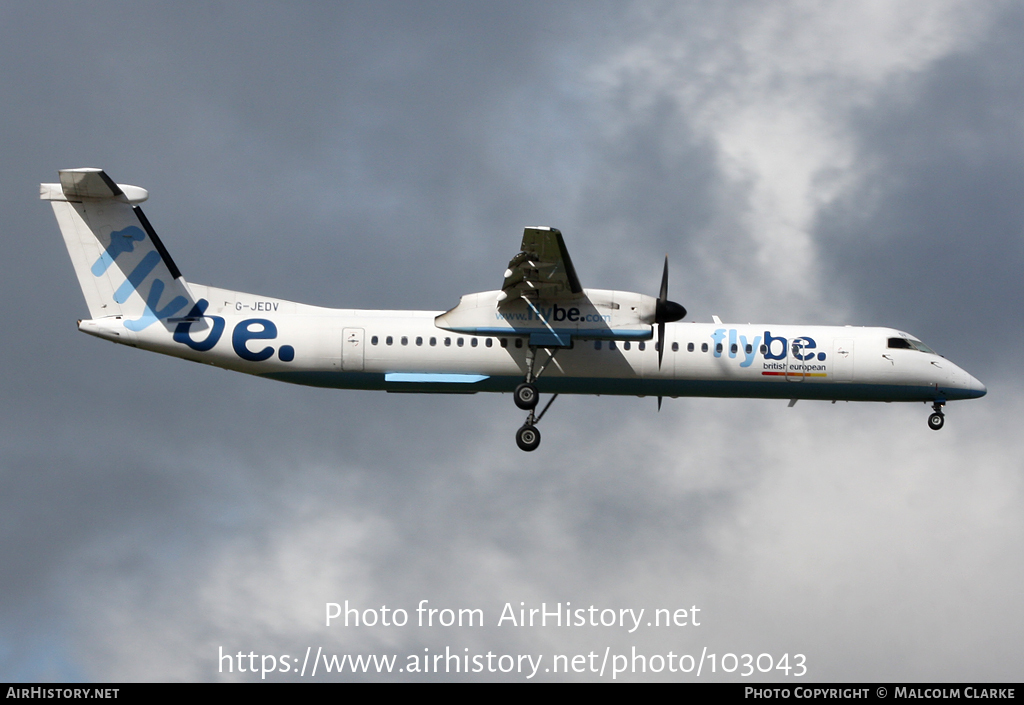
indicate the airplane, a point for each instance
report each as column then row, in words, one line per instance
column 540, row 332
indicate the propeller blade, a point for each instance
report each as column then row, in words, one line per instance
column 659, row 402
column 661, row 342
column 663, row 294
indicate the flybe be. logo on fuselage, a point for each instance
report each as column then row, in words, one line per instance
column 801, row 349
column 241, row 334
column 123, row 241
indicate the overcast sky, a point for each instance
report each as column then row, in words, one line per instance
column 836, row 163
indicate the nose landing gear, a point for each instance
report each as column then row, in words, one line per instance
column 937, row 419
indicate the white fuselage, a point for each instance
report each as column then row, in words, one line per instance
column 406, row 351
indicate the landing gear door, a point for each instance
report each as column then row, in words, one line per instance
column 352, row 349
column 842, row 360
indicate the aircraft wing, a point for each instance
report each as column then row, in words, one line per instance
column 542, row 269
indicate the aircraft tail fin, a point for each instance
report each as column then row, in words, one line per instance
column 122, row 266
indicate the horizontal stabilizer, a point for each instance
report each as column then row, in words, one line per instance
column 90, row 184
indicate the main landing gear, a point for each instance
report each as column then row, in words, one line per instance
column 937, row 419
column 526, row 397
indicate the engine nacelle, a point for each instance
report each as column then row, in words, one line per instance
column 597, row 314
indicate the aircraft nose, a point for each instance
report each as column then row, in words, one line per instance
column 977, row 387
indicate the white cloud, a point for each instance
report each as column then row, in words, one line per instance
column 774, row 87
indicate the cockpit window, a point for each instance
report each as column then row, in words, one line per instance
column 909, row 344
column 918, row 345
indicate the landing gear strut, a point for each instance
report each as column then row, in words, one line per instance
column 526, row 397
column 937, row 419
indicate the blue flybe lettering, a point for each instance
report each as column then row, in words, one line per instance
column 802, row 348
column 141, row 271
column 802, row 345
column 748, row 357
column 243, row 332
column 774, row 352
column 183, row 335
column 120, row 241
column 718, row 336
column 151, row 314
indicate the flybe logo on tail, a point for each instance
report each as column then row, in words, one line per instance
column 122, row 241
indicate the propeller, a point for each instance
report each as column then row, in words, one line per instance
column 665, row 312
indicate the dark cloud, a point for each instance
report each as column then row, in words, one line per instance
column 933, row 240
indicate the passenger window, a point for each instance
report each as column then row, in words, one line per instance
column 718, row 348
column 734, row 349
column 519, row 342
column 764, row 349
column 473, row 342
column 750, row 348
column 689, row 347
column 625, row 346
column 419, row 340
column 504, row 342
column 611, row 344
column 460, row 341
column 389, row 340
column 642, row 346
column 675, row 347
column 447, row 342
column 405, row 340
column 373, row 340
column 433, row 341
column 597, row 345
column 489, row 342
column 703, row 347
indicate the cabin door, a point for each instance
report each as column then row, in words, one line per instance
column 842, row 360
column 352, row 349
